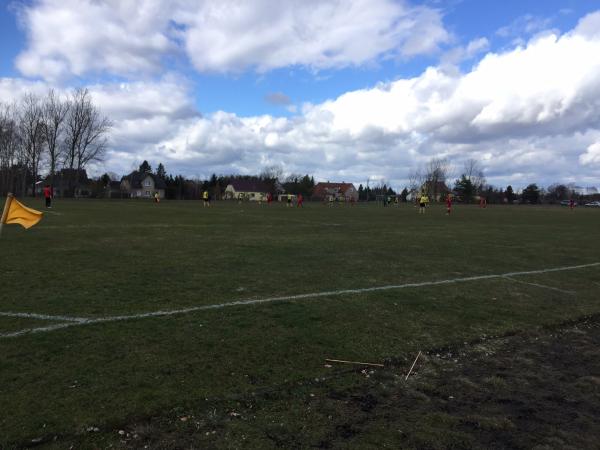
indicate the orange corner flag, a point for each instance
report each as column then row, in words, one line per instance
column 16, row 212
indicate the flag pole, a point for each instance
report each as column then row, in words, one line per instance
column 9, row 198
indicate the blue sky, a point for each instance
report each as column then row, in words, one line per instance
column 214, row 87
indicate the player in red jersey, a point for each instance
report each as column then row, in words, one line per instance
column 48, row 196
column 300, row 201
column 448, row 204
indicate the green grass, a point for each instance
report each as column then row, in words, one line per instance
column 103, row 258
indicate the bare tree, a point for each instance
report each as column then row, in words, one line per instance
column 474, row 173
column 92, row 145
column 272, row 173
column 74, row 129
column 436, row 174
column 272, row 176
column 9, row 142
column 55, row 111
column 86, row 132
column 415, row 182
column 31, row 124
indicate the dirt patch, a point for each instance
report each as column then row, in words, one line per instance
column 537, row 390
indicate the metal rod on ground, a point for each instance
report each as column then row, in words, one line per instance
column 354, row 362
column 9, row 198
column 413, row 365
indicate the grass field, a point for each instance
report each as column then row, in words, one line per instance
column 253, row 374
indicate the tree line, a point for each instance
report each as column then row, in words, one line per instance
column 434, row 180
column 48, row 134
column 53, row 133
column 179, row 187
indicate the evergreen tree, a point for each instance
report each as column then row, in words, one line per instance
column 403, row 195
column 465, row 188
column 161, row 172
column 509, row 194
column 145, row 167
column 531, row 194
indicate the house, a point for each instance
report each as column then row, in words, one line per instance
column 113, row 190
column 247, row 190
column 339, row 191
column 142, row 185
column 436, row 191
column 67, row 182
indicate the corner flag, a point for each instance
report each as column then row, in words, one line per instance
column 16, row 212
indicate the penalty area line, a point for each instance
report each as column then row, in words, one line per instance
column 543, row 286
column 78, row 321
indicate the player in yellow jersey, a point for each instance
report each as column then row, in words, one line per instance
column 423, row 201
column 206, row 198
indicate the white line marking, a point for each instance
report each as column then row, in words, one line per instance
column 118, row 226
column 543, row 286
column 42, row 316
column 77, row 321
column 38, row 330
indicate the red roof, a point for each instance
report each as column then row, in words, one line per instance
column 324, row 189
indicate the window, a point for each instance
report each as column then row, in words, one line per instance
column 147, row 193
column 147, row 183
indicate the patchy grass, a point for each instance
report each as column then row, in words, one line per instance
column 254, row 376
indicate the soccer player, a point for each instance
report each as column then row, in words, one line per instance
column 289, row 200
column 571, row 204
column 269, row 198
column 48, row 196
column 156, row 198
column 448, row 204
column 423, row 203
column 206, row 199
column 300, row 201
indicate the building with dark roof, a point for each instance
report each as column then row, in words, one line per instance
column 67, row 183
column 143, row 185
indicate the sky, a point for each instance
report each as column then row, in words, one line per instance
column 345, row 90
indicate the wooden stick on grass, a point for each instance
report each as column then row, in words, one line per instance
column 354, row 362
column 413, row 365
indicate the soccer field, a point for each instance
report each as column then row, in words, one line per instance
column 160, row 320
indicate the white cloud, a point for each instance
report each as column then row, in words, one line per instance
column 525, row 25
column 592, row 155
column 527, row 113
column 531, row 114
column 76, row 37
column 459, row 54
column 550, row 86
column 230, row 36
